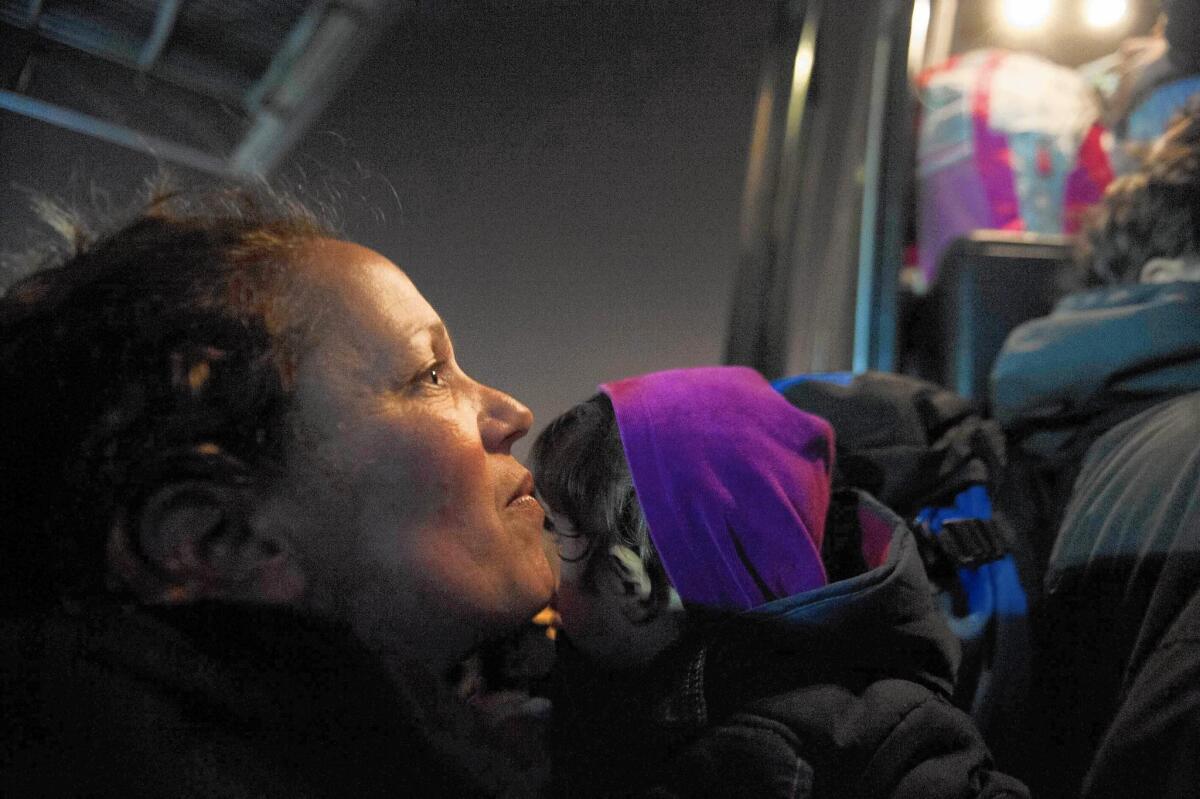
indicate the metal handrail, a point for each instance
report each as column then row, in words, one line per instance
column 886, row 166
column 164, row 24
column 89, row 125
column 758, row 321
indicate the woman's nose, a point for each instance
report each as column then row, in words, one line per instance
column 504, row 420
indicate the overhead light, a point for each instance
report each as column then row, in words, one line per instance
column 1025, row 14
column 1105, row 13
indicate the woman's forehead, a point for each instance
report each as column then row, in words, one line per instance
column 369, row 285
column 370, row 324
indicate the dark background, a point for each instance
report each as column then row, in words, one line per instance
column 561, row 179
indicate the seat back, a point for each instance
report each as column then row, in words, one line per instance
column 988, row 283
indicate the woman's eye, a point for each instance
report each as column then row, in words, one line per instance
column 434, row 375
column 430, row 377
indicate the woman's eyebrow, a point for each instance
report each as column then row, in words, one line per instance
column 438, row 334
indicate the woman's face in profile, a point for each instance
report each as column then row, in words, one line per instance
column 415, row 513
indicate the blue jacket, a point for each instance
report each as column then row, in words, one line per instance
column 1098, row 351
column 1062, row 381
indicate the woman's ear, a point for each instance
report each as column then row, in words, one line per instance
column 202, row 538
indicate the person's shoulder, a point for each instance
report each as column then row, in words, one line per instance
column 1140, row 464
column 1143, row 452
column 1164, row 427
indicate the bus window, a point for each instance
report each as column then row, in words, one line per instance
column 882, row 140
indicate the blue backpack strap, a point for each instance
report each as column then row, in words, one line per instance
column 837, row 378
column 994, row 629
column 959, row 542
column 960, row 537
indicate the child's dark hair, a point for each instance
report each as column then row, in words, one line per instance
column 580, row 471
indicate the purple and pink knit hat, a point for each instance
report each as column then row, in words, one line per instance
column 733, row 480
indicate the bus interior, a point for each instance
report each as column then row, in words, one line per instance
column 828, row 278
column 834, row 270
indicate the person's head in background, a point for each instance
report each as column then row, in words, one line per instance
column 690, row 488
column 1149, row 221
column 221, row 401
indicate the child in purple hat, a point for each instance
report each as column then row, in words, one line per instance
column 725, row 632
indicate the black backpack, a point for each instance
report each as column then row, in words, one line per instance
column 928, row 454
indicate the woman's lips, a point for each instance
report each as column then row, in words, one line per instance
column 524, row 491
column 526, row 500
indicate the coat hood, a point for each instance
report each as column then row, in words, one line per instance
column 733, row 480
column 838, row 671
column 1096, row 351
column 881, row 623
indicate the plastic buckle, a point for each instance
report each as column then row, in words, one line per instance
column 970, row 543
column 960, row 544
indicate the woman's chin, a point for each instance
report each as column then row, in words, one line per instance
column 533, row 592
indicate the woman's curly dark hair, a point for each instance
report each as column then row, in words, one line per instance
column 166, row 344
column 1152, row 213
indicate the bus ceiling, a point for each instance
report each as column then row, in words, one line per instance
column 218, row 87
